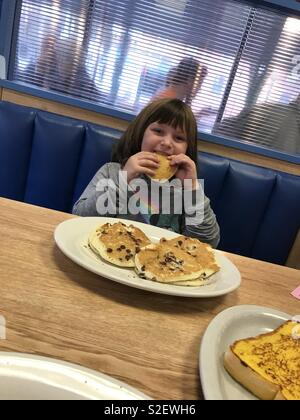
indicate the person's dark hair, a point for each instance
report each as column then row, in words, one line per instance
column 187, row 69
column 165, row 111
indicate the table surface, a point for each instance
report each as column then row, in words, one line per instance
column 151, row 341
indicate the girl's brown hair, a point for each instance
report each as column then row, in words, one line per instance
column 164, row 111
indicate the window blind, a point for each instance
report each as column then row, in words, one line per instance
column 122, row 53
column 269, row 115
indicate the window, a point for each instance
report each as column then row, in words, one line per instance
column 120, row 53
column 270, row 113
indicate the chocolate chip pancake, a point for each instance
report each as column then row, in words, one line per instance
column 117, row 243
column 182, row 261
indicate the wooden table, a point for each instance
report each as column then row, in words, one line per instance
column 55, row 308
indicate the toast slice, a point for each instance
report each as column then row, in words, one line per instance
column 267, row 365
column 118, row 243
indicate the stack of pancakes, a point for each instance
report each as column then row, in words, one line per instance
column 181, row 261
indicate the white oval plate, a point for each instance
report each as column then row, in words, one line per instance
column 228, row 326
column 30, row 377
column 72, row 235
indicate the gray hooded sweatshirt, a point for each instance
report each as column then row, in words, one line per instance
column 182, row 211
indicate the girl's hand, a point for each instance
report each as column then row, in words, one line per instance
column 141, row 163
column 186, row 169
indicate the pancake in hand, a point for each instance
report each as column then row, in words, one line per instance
column 117, row 243
column 165, row 171
column 181, row 261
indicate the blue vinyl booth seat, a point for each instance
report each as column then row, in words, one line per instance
column 47, row 160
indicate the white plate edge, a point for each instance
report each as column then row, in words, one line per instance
column 229, row 313
column 92, row 375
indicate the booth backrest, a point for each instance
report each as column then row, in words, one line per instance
column 48, row 159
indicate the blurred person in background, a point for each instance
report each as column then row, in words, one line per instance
column 183, row 81
column 59, row 68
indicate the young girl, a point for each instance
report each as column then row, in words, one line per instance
column 166, row 126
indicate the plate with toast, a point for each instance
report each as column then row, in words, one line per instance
column 251, row 352
column 147, row 257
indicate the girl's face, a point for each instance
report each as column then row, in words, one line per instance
column 165, row 139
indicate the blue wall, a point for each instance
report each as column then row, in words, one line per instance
column 291, row 4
